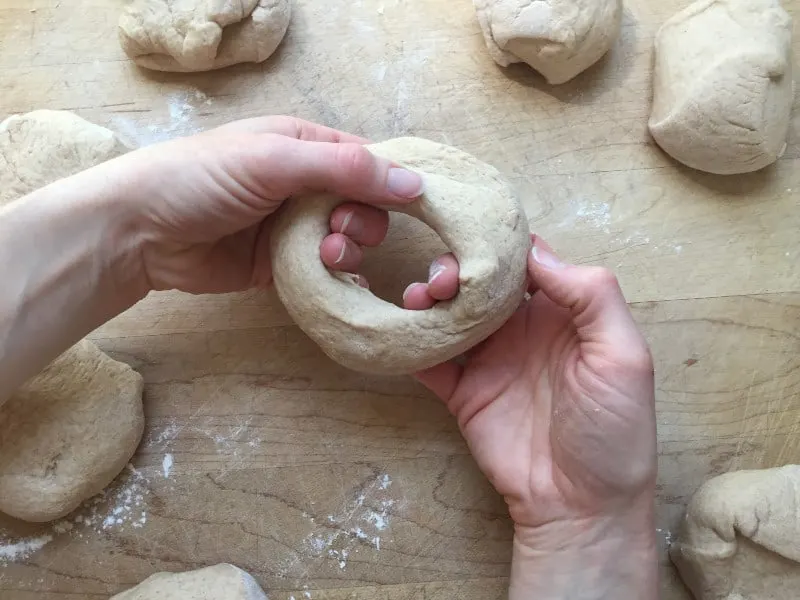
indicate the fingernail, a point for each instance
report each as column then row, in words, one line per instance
column 403, row 183
column 410, row 287
column 351, row 224
column 341, row 253
column 435, row 270
column 546, row 259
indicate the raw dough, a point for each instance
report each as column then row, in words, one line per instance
column 199, row 35
column 70, row 430
column 740, row 539
column 558, row 38
column 723, row 85
column 42, row 146
column 67, row 433
column 478, row 216
column 220, row 582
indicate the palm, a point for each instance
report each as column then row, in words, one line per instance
column 531, row 402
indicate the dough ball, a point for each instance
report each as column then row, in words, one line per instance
column 43, row 146
column 558, row 38
column 71, row 429
column 67, row 433
column 740, row 539
column 220, row 582
column 723, row 85
column 477, row 214
column 200, row 35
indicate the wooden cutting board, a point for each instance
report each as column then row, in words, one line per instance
column 328, row 484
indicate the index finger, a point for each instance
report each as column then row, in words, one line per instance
column 290, row 127
column 346, row 169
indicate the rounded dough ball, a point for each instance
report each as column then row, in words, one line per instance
column 69, row 431
column 220, row 582
column 740, row 538
column 200, row 35
column 558, row 38
column 723, row 87
column 478, row 216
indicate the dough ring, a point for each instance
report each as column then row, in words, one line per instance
column 478, row 216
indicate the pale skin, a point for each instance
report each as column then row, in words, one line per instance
column 557, row 406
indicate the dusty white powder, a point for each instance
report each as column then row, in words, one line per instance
column 166, row 464
column 13, row 551
column 122, row 505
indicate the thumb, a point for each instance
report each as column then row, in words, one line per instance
column 347, row 169
column 593, row 296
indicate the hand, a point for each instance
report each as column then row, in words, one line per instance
column 558, row 409
column 204, row 202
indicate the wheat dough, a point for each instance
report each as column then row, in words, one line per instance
column 740, row 538
column 71, row 429
column 478, row 216
column 220, row 582
column 723, row 86
column 200, row 35
column 558, row 38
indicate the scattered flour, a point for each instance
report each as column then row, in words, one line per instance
column 166, row 464
column 666, row 535
column 180, row 107
column 119, row 506
column 360, row 522
column 21, row 549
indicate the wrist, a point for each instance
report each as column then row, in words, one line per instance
column 596, row 558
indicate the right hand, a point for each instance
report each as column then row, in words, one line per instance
column 558, row 410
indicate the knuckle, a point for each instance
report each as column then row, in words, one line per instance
column 601, row 279
column 640, row 360
column 353, row 161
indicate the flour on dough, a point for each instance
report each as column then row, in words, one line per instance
column 67, row 432
column 723, row 86
column 220, row 582
column 740, row 538
column 200, row 35
column 478, row 215
column 558, row 38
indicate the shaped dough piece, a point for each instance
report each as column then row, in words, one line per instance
column 558, row 38
column 43, row 146
column 70, row 430
column 723, row 87
column 740, row 539
column 478, row 216
column 220, row 582
column 200, row 35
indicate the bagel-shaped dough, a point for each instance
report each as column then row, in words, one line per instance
column 478, row 216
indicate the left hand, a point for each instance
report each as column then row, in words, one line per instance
column 203, row 203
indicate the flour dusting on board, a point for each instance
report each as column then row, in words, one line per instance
column 181, row 108
column 166, row 464
column 121, row 505
column 13, row 551
column 362, row 522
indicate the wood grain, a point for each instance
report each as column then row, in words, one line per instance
column 329, row 484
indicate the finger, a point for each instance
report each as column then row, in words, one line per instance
column 291, row 127
column 340, row 253
column 416, row 297
column 442, row 379
column 532, row 287
column 593, row 296
column 443, row 277
column 365, row 225
column 346, row 169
